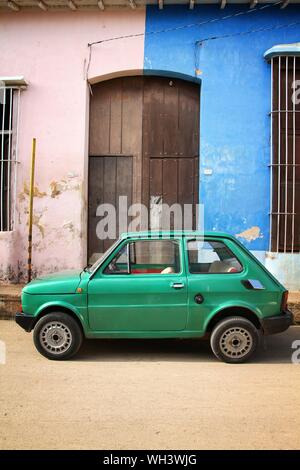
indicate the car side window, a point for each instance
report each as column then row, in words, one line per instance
column 119, row 263
column 154, row 257
column 146, row 257
column 211, row 257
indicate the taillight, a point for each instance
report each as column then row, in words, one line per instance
column 284, row 300
column 20, row 308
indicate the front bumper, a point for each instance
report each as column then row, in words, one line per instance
column 25, row 321
column 277, row 323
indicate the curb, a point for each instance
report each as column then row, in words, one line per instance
column 9, row 305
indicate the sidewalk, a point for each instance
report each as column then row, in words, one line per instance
column 10, row 301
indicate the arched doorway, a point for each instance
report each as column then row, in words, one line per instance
column 144, row 144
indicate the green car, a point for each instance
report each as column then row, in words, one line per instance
column 159, row 285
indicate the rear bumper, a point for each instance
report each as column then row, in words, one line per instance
column 277, row 323
column 25, row 321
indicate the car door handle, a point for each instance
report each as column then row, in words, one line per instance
column 177, row 285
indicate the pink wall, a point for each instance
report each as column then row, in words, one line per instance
column 50, row 50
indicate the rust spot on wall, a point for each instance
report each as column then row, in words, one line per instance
column 55, row 189
column 26, row 190
column 250, row 234
column 36, row 221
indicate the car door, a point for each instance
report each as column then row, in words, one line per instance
column 141, row 287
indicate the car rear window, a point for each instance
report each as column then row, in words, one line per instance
column 211, row 257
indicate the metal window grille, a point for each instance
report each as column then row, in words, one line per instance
column 285, row 155
column 9, row 117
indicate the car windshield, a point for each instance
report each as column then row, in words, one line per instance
column 97, row 263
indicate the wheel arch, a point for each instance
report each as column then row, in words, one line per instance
column 230, row 311
column 51, row 308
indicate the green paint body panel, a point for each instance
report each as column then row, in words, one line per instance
column 59, row 283
column 147, row 305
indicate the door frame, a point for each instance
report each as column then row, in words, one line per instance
column 101, row 79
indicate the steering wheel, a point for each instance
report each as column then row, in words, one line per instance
column 113, row 267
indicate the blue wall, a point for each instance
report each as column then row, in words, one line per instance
column 235, row 102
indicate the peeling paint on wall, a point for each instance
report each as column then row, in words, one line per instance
column 250, row 234
column 72, row 174
column 72, row 229
column 36, row 192
column 58, row 187
column 55, row 188
column 69, row 225
column 270, row 255
column 36, row 222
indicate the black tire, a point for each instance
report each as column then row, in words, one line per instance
column 234, row 340
column 57, row 336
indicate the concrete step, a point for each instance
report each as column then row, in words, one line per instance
column 10, row 298
column 9, row 305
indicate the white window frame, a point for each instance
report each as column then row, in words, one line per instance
column 288, row 159
column 10, row 86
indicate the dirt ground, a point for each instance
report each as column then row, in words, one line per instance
column 120, row 394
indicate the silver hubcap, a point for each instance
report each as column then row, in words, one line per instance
column 236, row 342
column 55, row 337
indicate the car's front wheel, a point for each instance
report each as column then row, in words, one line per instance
column 234, row 339
column 57, row 336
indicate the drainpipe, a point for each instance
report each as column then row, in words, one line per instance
column 31, row 194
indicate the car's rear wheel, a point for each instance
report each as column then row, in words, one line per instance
column 57, row 336
column 234, row 339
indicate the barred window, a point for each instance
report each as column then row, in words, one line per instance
column 285, row 164
column 9, row 108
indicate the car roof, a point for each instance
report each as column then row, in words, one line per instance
column 177, row 233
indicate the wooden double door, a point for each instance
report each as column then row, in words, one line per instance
column 144, row 144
